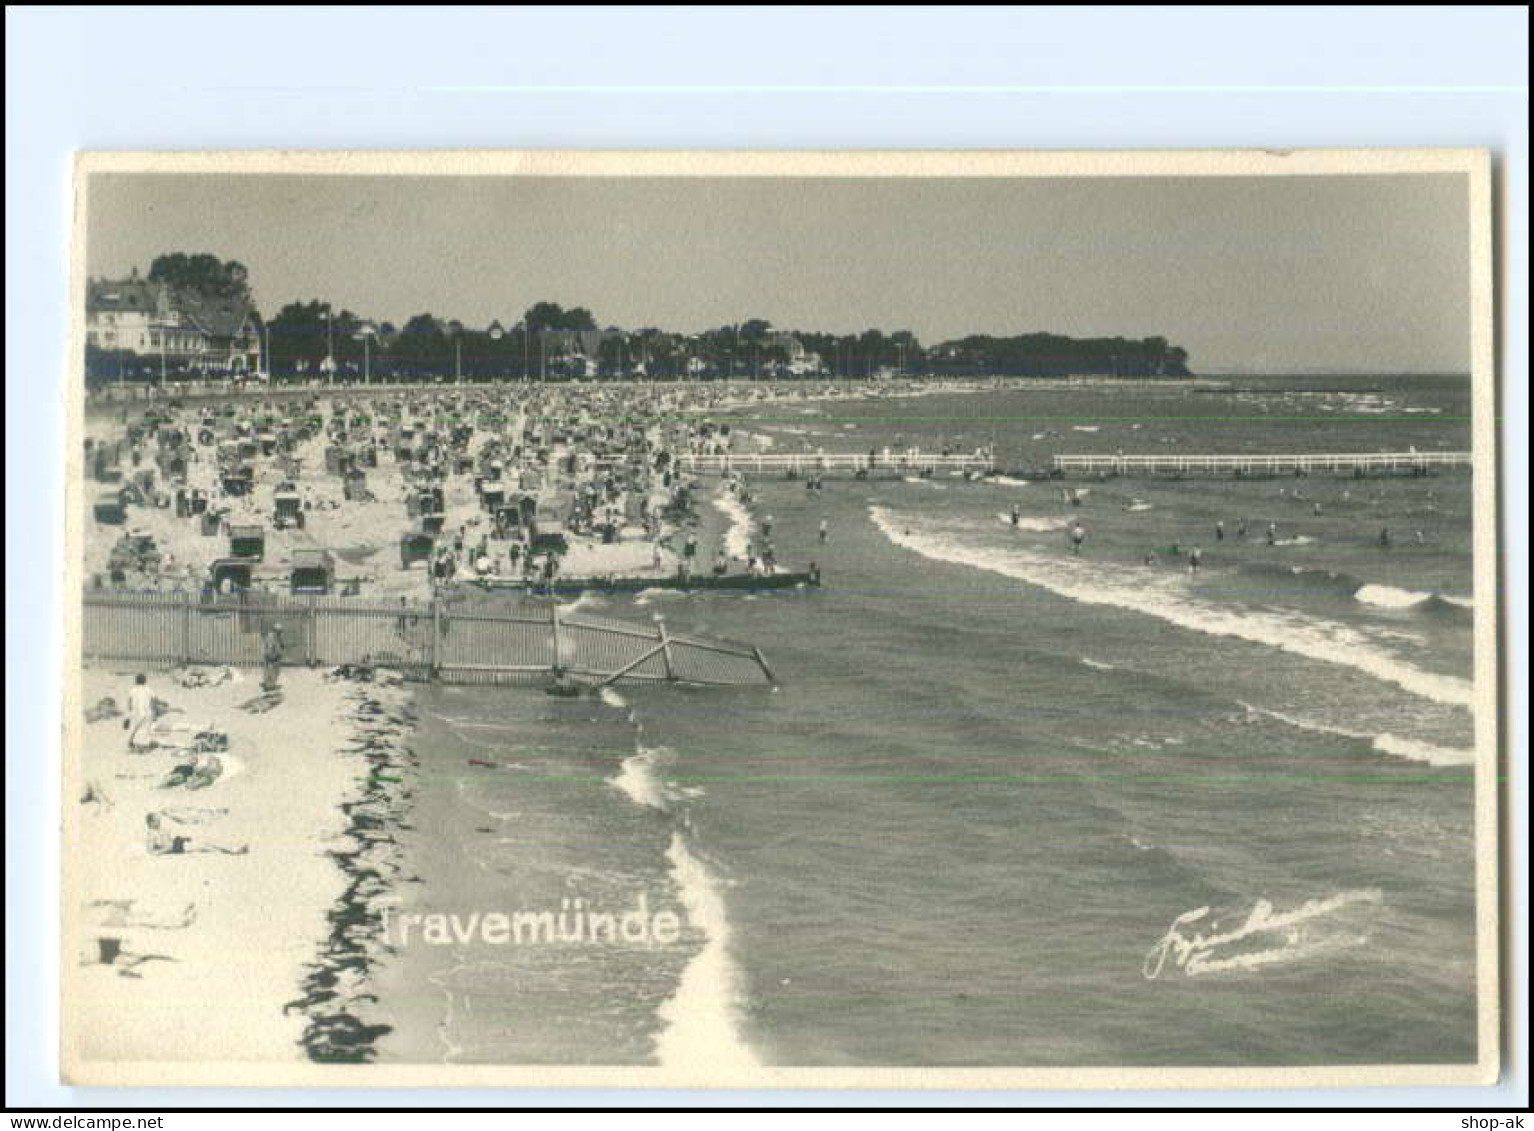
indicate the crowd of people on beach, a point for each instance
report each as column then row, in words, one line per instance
column 513, row 485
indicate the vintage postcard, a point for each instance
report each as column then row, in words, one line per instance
column 882, row 619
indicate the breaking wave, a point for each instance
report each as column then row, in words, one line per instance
column 1035, row 525
column 737, row 540
column 701, row 1020
column 1389, row 597
column 1393, row 745
column 1168, row 599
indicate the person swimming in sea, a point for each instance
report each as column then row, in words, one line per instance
column 1195, row 559
column 1078, row 536
column 1017, row 515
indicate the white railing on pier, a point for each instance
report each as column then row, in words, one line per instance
column 1355, row 462
column 910, row 460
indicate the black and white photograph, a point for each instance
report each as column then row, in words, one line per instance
column 782, row 619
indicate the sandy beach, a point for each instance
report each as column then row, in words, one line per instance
column 209, row 947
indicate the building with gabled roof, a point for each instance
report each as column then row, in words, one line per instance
column 136, row 316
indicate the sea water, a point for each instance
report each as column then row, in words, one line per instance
column 995, row 774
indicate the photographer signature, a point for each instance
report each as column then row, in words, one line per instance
column 1274, row 937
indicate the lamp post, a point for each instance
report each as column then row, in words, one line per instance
column 328, row 365
column 366, row 332
column 496, row 333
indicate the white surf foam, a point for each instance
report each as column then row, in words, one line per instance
column 1423, row 751
column 1098, row 664
column 737, row 540
column 1008, row 481
column 1391, row 744
column 639, row 779
column 650, row 596
column 586, row 600
column 612, row 698
column 1389, row 597
column 1084, row 428
column 1168, row 599
column 702, row 1019
column 1036, row 525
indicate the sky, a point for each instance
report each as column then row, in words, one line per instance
column 1249, row 274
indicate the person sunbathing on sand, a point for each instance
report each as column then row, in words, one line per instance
column 202, row 771
column 162, row 843
column 110, row 951
column 128, row 913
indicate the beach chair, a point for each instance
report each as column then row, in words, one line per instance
column 288, row 509
column 247, row 543
column 313, row 572
column 109, row 509
column 240, row 481
column 416, row 546
column 237, row 572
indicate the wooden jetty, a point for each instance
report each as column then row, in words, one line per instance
column 1355, row 463
column 618, row 583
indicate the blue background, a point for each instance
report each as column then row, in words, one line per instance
column 755, row 78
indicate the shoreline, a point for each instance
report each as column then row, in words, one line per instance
column 339, row 998
column 821, row 389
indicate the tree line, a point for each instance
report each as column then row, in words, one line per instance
column 301, row 336
column 552, row 342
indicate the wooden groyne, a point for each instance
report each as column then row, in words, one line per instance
column 1354, row 463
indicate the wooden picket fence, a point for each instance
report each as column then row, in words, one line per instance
column 434, row 641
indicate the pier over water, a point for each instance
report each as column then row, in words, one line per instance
column 908, row 461
column 1358, row 463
